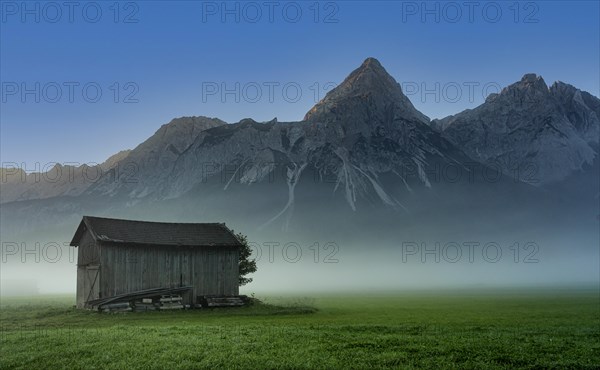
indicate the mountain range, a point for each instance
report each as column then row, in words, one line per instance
column 551, row 132
column 363, row 157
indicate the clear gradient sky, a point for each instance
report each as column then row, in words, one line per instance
column 171, row 57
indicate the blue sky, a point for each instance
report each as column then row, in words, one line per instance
column 153, row 61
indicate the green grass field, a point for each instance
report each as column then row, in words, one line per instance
column 429, row 329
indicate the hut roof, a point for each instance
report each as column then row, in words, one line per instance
column 155, row 233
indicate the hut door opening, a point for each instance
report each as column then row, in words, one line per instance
column 91, row 283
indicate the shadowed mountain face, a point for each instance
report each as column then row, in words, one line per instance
column 363, row 146
column 362, row 159
column 538, row 134
column 67, row 180
column 156, row 154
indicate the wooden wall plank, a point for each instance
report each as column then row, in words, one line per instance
column 127, row 268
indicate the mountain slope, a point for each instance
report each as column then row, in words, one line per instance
column 364, row 143
column 537, row 134
column 362, row 159
column 17, row 185
column 154, row 157
column 66, row 180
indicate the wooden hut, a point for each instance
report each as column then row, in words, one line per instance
column 117, row 258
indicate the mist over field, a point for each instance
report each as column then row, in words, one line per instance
column 409, row 259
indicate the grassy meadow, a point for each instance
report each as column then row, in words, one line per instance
column 429, row 329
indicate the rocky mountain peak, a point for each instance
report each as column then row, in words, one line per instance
column 369, row 88
column 534, row 81
column 371, row 62
column 529, row 85
column 562, row 86
column 199, row 122
column 565, row 91
column 553, row 130
column 530, row 78
column 370, row 76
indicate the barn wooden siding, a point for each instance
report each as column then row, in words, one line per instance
column 107, row 269
column 129, row 268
